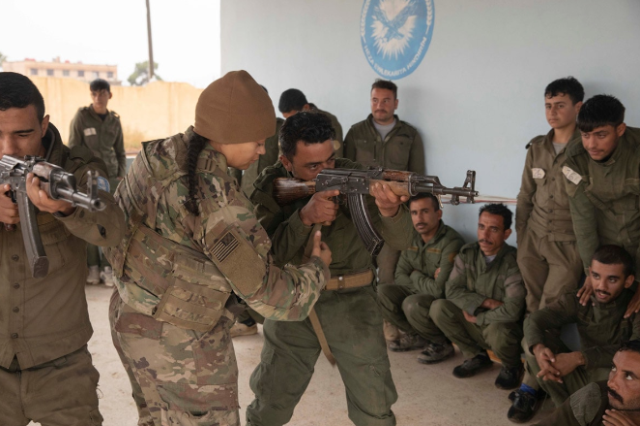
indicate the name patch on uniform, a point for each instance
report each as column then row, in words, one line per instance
column 573, row 177
column 90, row 131
column 537, row 173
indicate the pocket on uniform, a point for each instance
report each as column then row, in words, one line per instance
column 365, row 152
column 397, row 153
column 192, row 404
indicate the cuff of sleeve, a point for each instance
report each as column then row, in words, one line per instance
column 589, row 358
column 324, row 268
column 415, row 276
column 76, row 215
column 296, row 225
column 472, row 306
column 533, row 342
column 480, row 319
column 393, row 219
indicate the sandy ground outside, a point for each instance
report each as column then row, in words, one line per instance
column 427, row 395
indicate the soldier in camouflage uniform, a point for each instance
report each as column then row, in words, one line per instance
column 615, row 402
column 346, row 322
column 46, row 371
column 191, row 246
column 96, row 128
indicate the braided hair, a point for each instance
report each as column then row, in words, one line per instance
column 195, row 147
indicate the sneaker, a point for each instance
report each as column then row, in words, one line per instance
column 107, row 276
column 240, row 329
column 435, row 352
column 94, row 275
column 391, row 332
column 472, row 366
column 509, row 378
column 407, row 342
column 524, row 406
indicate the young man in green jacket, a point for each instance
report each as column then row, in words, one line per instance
column 485, row 301
column 421, row 274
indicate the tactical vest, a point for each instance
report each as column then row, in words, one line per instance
column 156, row 276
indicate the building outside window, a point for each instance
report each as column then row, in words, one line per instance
column 50, row 73
column 33, row 71
column 65, row 73
column 96, row 74
column 80, row 73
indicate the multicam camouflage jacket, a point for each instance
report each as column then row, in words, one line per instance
column 174, row 264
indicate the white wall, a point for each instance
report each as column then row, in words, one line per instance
column 477, row 96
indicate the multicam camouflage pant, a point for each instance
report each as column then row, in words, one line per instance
column 187, row 378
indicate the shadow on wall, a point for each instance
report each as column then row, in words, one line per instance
column 155, row 111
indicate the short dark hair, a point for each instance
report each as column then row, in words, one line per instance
column 631, row 345
column 569, row 86
column 615, row 255
column 422, row 195
column 309, row 127
column 99, row 84
column 600, row 110
column 501, row 210
column 17, row 91
column 292, row 100
column 385, row 84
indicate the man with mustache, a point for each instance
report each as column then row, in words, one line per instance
column 601, row 325
column 485, row 300
column 615, row 402
column 383, row 140
column 420, row 276
column 602, row 175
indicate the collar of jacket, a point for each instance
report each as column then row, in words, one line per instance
column 620, row 303
column 481, row 264
column 548, row 141
column 436, row 237
column 372, row 128
column 52, row 142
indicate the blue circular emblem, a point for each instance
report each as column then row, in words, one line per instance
column 395, row 35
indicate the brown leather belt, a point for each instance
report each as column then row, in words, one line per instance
column 342, row 282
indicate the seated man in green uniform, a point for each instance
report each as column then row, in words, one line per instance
column 97, row 128
column 485, row 300
column 615, row 402
column 601, row 325
column 421, row 273
column 346, row 320
column 602, row 175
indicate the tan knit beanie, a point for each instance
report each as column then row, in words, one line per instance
column 235, row 109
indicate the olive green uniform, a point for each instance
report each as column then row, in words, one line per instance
column 470, row 283
column 401, row 149
column 605, row 197
column 350, row 318
column 178, row 274
column 584, row 408
column 602, row 330
column 547, row 253
column 104, row 138
column 406, row 303
column 46, row 372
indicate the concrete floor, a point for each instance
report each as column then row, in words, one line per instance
column 427, row 395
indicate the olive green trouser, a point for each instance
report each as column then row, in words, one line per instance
column 402, row 307
column 472, row 339
column 387, row 261
column 572, row 382
column 352, row 324
column 187, row 378
column 95, row 256
column 61, row 392
column 549, row 268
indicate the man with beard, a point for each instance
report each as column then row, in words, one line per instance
column 420, row 276
column 612, row 403
column 601, row 325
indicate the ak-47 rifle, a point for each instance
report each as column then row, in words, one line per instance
column 355, row 184
column 59, row 185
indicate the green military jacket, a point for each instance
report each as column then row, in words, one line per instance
column 289, row 235
column 336, row 127
column 605, row 197
column 401, row 149
column 602, row 327
column 472, row 281
column 543, row 204
column 584, row 408
column 269, row 158
column 103, row 137
column 46, row 318
column 417, row 265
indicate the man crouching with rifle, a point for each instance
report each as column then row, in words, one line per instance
column 346, row 322
column 46, row 372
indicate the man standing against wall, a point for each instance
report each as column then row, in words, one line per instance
column 420, row 276
column 547, row 253
column 602, row 175
column 384, row 140
column 293, row 101
column 98, row 129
